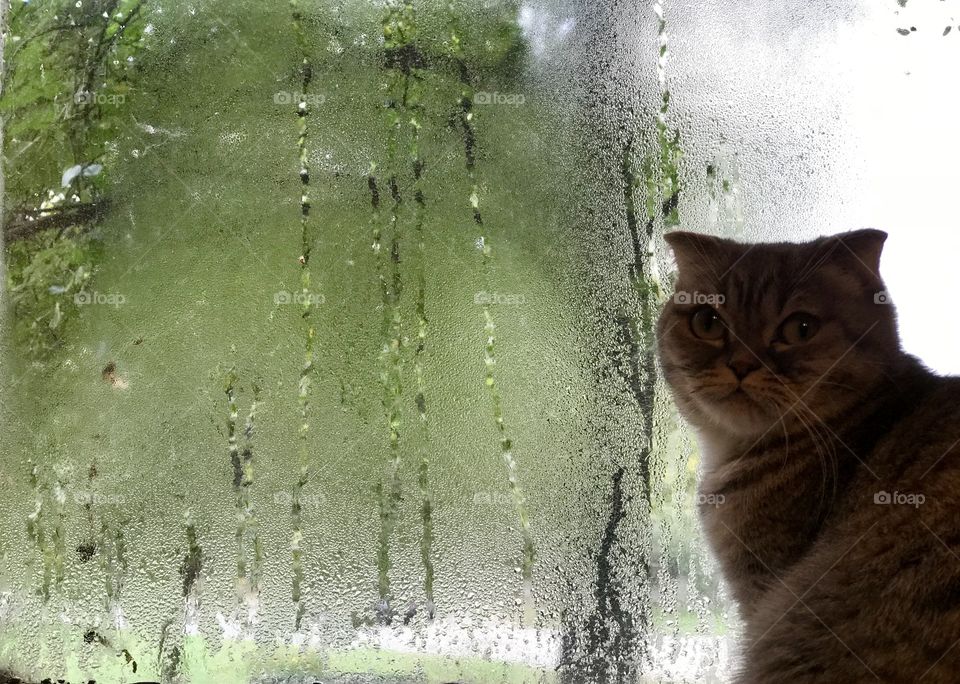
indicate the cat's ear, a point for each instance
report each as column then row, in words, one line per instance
column 861, row 247
column 698, row 255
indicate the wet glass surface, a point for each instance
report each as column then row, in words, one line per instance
column 328, row 327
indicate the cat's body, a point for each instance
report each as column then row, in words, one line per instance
column 831, row 461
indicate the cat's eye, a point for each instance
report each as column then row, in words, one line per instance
column 799, row 328
column 706, row 324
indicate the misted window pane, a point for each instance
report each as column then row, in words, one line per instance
column 327, row 328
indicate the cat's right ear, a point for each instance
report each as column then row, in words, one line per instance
column 863, row 247
column 698, row 256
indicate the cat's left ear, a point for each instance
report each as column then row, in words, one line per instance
column 862, row 247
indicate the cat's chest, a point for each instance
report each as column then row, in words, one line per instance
column 764, row 492
column 760, row 510
column 723, row 462
column 753, row 470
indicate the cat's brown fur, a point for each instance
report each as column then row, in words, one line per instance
column 832, row 585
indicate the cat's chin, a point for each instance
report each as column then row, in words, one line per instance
column 740, row 415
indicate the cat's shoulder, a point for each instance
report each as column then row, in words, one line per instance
column 924, row 445
column 940, row 406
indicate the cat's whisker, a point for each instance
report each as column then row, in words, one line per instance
column 783, row 425
column 703, row 389
column 823, row 454
column 830, row 451
column 839, row 384
column 820, row 445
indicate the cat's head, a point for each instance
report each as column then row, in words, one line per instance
column 756, row 333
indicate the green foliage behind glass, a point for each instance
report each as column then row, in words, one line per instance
column 489, row 34
column 70, row 67
column 45, row 273
column 69, row 75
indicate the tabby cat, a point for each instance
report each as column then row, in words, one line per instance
column 830, row 487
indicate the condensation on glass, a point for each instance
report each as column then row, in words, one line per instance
column 327, row 332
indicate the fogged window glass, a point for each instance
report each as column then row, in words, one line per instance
column 327, row 328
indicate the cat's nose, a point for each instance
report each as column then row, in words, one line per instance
column 743, row 366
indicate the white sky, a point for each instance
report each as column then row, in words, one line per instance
column 905, row 111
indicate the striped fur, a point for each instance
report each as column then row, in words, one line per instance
column 830, row 471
